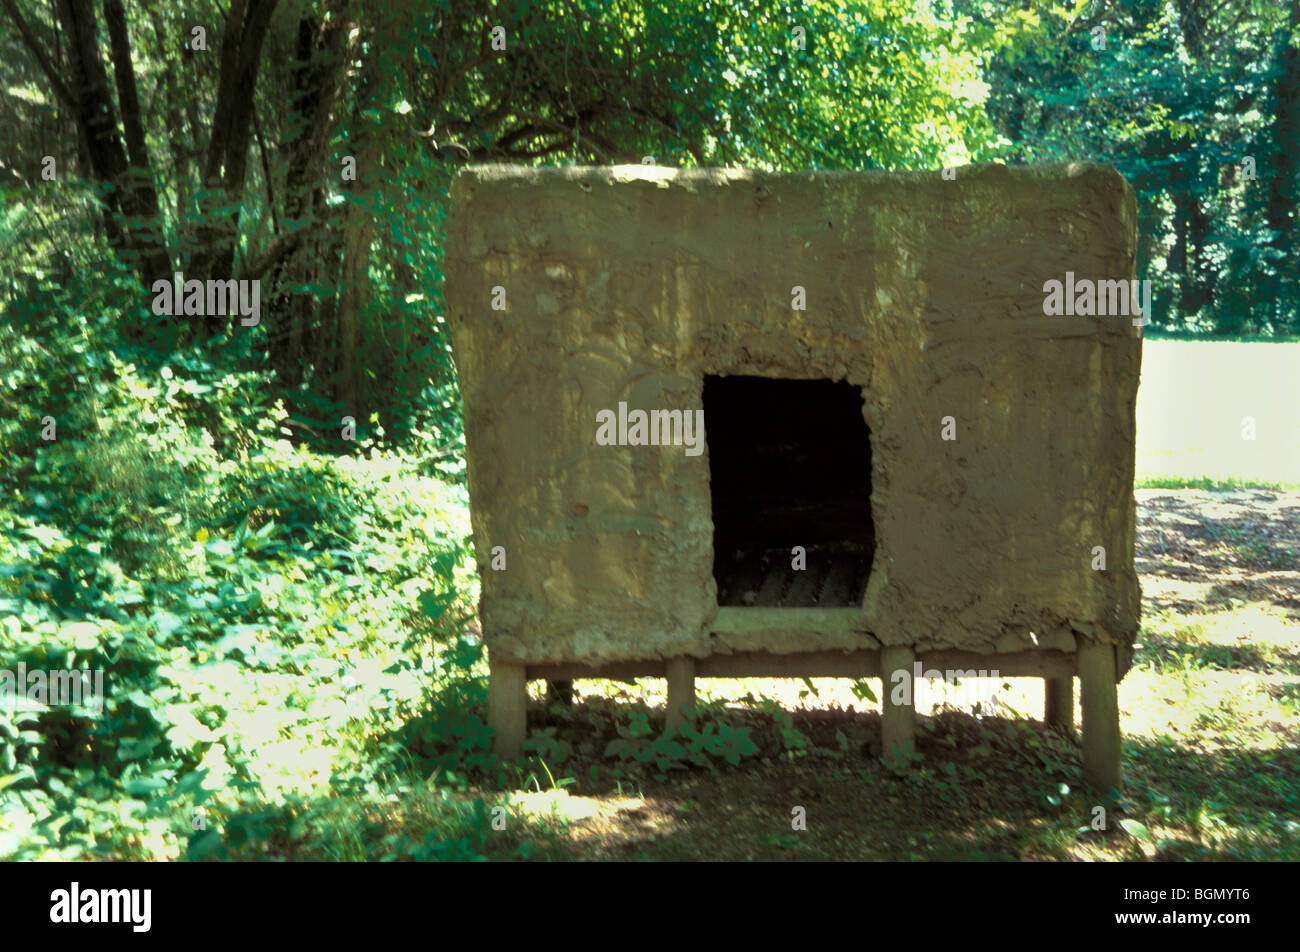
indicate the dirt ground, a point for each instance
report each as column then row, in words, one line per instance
column 983, row 787
column 1198, row 548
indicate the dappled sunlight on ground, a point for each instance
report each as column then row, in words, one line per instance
column 1209, row 710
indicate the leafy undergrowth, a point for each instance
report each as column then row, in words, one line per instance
column 259, row 612
column 249, row 668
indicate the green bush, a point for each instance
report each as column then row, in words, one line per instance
column 259, row 611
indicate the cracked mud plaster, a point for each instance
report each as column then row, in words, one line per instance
column 632, row 283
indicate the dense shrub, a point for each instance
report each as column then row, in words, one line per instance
column 259, row 609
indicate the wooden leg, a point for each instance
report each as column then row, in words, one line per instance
column 508, row 706
column 559, row 692
column 681, row 690
column 1099, row 699
column 898, row 727
column 1059, row 706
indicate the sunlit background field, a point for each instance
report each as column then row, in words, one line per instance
column 1191, row 404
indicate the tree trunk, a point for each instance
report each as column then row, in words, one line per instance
column 319, row 63
column 155, row 259
column 359, row 218
column 1284, row 166
column 232, row 130
column 1192, row 224
column 327, row 319
column 355, row 292
column 1199, row 273
column 1178, row 252
column 96, row 118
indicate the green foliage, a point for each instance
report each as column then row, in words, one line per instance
column 638, row 745
column 1179, row 97
column 253, row 606
column 789, row 739
column 447, row 737
column 863, row 692
column 549, row 747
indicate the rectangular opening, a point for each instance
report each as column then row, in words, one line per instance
column 789, row 465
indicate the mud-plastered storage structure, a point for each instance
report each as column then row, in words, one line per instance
column 905, row 457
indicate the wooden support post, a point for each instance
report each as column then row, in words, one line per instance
column 1100, row 702
column 1058, row 709
column 681, row 690
column 898, row 721
column 508, row 706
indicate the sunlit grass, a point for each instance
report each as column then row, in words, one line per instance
column 1174, row 481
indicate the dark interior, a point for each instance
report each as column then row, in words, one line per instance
column 790, row 464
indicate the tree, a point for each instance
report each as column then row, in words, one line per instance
column 227, row 161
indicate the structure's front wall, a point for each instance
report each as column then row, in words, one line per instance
column 631, row 284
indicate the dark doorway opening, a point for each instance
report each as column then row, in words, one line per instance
column 789, row 465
